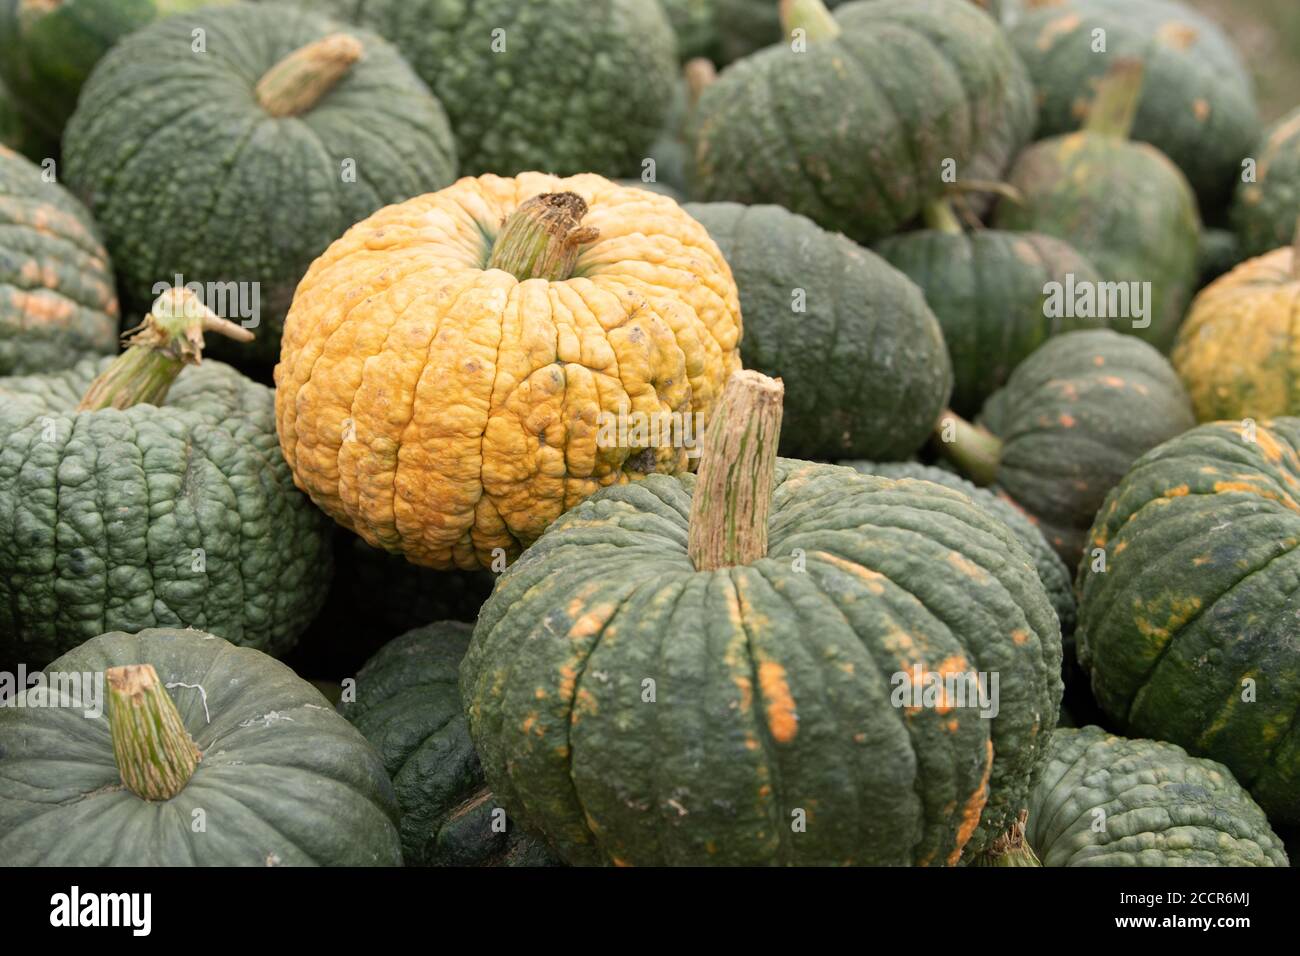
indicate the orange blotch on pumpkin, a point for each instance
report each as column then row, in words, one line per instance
column 970, row 816
column 1177, row 491
column 1056, row 28
column 1020, row 636
column 1067, row 420
column 1099, row 360
column 1201, row 110
column 967, row 567
column 782, row 720
column 873, row 579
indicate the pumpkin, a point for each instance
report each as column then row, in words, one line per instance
column 853, row 340
column 201, row 754
column 1065, row 428
column 1123, row 205
column 832, row 133
column 407, row 704
column 698, row 670
column 565, row 86
column 1234, row 352
column 990, row 292
column 283, row 134
column 572, row 347
column 1219, row 252
column 57, row 299
column 1186, row 614
column 1264, row 210
column 128, row 502
column 17, row 132
column 1197, row 104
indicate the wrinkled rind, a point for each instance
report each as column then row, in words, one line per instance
column 1107, row 801
column 1264, row 212
column 771, row 684
column 864, row 363
column 102, row 515
column 283, row 780
column 451, row 413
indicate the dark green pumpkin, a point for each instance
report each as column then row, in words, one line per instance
column 834, row 133
column 249, row 197
column 988, row 289
column 1188, row 608
column 406, row 702
column 1264, row 211
column 282, row 781
column 864, row 364
column 1198, row 103
column 57, row 298
column 1220, row 251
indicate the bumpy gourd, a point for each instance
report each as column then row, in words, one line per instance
column 1265, row 210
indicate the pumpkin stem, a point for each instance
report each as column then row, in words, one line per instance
column 733, row 489
column 1010, row 849
column 939, row 216
column 301, row 80
column 973, row 448
column 154, row 753
column 540, row 239
column 170, row 337
column 810, row 16
column 700, row 74
column 1115, row 106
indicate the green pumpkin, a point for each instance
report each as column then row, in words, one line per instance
column 833, row 132
column 57, row 298
column 267, row 159
column 280, row 780
column 1218, row 254
column 1065, row 428
column 1198, row 102
column 988, row 289
column 1189, row 631
column 177, row 510
column 1264, row 211
column 1123, row 205
column 407, row 704
column 860, row 353
column 679, row 669
column 564, row 87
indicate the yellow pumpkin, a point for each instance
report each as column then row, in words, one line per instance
column 460, row 369
column 1237, row 352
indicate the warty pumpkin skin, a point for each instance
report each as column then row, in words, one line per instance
column 261, row 176
column 282, row 780
column 864, row 363
column 1197, row 597
column 407, row 705
column 1264, row 212
column 445, row 410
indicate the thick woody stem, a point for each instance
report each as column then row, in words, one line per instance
column 541, row 239
column 301, row 80
column 155, row 754
column 973, row 449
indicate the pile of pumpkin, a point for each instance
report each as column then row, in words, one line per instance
column 910, row 222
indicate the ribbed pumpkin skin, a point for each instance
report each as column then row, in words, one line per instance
column 864, row 366
column 1073, row 417
column 57, row 301
column 987, row 290
column 283, row 781
column 582, row 86
column 1125, row 207
column 1264, row 212
column 408, row 706
column 831, row 133
column 249, row 198
column 1198, row 102
column 101, row 514
column 1236, row 352
column 771, row 682
column 1198, row 595
column 503, row 383
column 1157, row 806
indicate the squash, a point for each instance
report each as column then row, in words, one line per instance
column 834, row 134
column 1065, row 428
column 1186, row 614
column 1198, row 102
column 406, row 701
column 57, row 299
column 990, row 292
column 565, row 86
column 128, row 502
column 1219, row 252
column 1103, row 800
column 698, row 670
column 1264, row 210
column 277, row 139
column 1123, row 205
column 580, row 344
column 1235, row 352
column 201, row 754
column 858, row 349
